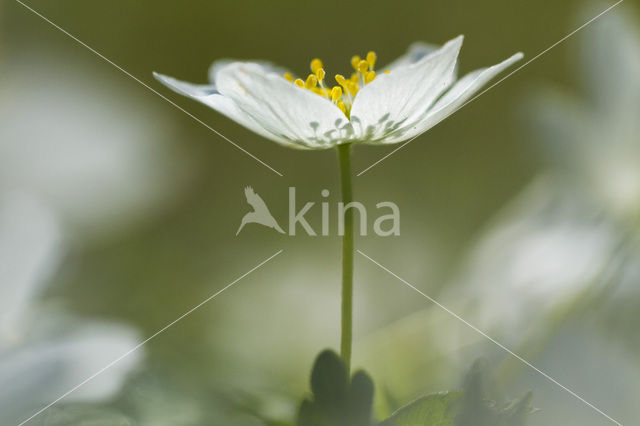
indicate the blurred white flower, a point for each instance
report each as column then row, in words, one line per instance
column 542, row 249
column 77, row 159
column 597, row 140
column 99, row 157
column 30, row 244
column 575, row 225
column 570, row 230
column 44, row 352
column 413, row 94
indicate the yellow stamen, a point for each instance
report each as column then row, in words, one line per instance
column 316, row 64
column 342, row 95
column 336, row 93
column 355, row 60
column 353, row 88
column 371, row 59
column 363, row 66
column 387, row 72
column 311, row 82
column 368, row 77
column 319, row 91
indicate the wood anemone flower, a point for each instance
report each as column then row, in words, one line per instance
column 410, row 96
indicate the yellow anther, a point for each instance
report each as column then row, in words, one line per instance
column 344, row 93
column 371, row 59
column 319, row 91
column 353, row 88
column 368, row 77
column 316, row 64
column 336, row 93
column 311, row 82
column 355, row 60
column 387, row 72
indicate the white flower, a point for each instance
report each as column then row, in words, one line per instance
column 597, row 139
column 100, row 166
column 544, row 248
column 412, row 95
column 45, row 352
column 564, row 234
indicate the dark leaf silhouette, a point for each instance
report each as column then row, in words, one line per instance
column 336, row 400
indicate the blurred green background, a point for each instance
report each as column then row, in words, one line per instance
column 258, row 339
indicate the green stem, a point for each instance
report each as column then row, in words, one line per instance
column 344, row 155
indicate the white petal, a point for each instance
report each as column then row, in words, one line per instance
column 208, row 95
column 298, row 115
column 392, row 100
column 461, row 92
column 221, row 63
column 415, row 53
column 185, row 88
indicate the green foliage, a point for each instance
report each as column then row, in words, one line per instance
column 84, row 415
column 433, row 410
column 467, row 408
column 476, row 410
column 336, row 401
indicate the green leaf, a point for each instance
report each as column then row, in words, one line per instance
column 476, row 410
column 360, row 400
column 432, row 410
column 335, row 400
column 307, row 414
column 329, row 382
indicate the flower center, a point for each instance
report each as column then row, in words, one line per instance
column 345, row 92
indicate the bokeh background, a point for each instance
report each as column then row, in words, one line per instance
column 119, row 213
